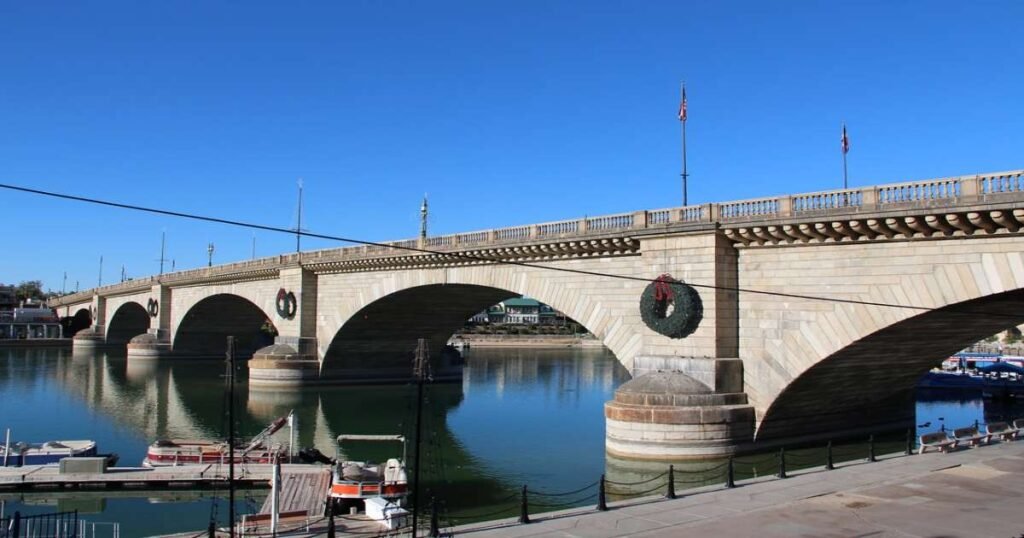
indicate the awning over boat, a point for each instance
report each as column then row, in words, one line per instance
column 1001, row 368
column 349, row 437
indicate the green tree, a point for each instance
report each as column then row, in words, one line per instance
column 29, row 289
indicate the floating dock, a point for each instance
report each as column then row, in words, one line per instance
column 184, row 477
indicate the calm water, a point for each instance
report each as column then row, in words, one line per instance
column 519, row 417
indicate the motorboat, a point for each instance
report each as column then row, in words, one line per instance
column 172, row 452
column 15, row 454
column 361, row 480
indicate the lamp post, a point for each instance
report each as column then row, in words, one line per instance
column 209, row 253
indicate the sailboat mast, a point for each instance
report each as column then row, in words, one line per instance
column 420, row 373
column 231, row 435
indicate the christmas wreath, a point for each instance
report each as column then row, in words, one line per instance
column 286, row 304
column 153, row 307
column 686, row 307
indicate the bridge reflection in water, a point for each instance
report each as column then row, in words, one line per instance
column 518, row 416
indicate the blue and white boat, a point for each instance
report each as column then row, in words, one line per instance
column 19, row 454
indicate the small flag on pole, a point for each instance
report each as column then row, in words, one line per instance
column 845, row 141
column 682, row 103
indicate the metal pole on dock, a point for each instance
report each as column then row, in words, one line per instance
column 231, row 435
column 7, row 446
column 420, row 372
column 275, row 499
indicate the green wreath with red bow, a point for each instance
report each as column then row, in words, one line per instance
column 671, row 307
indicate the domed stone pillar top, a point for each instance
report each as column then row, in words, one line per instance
column 280, row 365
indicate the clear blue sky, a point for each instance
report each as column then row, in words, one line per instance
column 504, row 113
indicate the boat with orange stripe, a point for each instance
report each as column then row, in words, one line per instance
column 356, row 480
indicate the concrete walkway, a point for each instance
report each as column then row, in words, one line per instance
column 971, row 493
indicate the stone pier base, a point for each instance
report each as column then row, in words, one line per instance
column 280, row 366
column 678, row 408
column 148, row 347
column 87, row 341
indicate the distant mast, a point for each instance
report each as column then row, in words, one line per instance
column 298, row 224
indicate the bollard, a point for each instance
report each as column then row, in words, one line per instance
column 524, row 508
column 671, row 493
column 730, row 477
column 602, row 504
column 782, row 462
column 871, row 448
column 828, row 457
column 435, row 527
column 331, row 533
column 909, row 449
column 211, row 530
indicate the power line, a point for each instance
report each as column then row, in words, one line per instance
column 469, row 257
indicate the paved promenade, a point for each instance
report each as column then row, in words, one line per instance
column 970, row 493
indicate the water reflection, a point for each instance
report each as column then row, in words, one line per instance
column 519, row 417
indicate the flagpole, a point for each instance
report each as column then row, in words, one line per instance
column 682, row 120
column 844, row 146
column 844, row 170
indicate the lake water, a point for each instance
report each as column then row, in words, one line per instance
column 525, row 416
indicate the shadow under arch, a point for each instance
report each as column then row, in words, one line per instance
column 204, row 329
column 868, row 386
column 129, row 321
column 380, row 339
column 81, row 320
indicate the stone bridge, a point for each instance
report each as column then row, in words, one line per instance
column 820, row 310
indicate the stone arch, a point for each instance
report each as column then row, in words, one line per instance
column 204, row 328
column 868, row 385
column 381, row 337
column 129, row 320
column 82, row 319
column 607, row 307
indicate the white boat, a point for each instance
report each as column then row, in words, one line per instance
column 19, row 453
column 360, row 480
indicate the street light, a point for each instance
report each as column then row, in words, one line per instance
column 209, row 252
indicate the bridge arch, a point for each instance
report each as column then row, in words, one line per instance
column 128, row 321
column 203, row 329
column 400, row 307
column 82, row 319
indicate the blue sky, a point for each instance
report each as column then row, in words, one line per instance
column 503, row 113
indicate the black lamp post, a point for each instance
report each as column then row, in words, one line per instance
column 209, row 253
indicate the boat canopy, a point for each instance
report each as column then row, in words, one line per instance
column 1001, row 367
column 349, row 437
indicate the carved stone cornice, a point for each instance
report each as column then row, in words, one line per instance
column 537, row 252
column 859, row 228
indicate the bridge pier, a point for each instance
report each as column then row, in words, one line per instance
column 282, row 366
column 150, row 345
column 680, row 408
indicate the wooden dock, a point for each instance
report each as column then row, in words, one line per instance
column 184, row 477
column 302, row 491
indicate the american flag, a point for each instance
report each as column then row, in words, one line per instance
column 682, row 104
column 845, row 141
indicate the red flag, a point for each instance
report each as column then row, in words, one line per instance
column 682, row 104
column 845, row 141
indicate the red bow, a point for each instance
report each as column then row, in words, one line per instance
column 663, row 288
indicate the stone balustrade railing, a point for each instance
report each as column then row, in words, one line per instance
column 943, row 191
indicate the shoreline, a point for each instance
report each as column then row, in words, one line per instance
column 540, row 340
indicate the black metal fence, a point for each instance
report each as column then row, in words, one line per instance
column 56, row 525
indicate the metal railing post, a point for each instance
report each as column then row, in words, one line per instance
column 909, row 449
column 730, row 477
column 782, row 462
column 871, row 448
column 828, row 457
column 602, row 503
column 524, row 508
column 435, row 527
column 671, row 493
